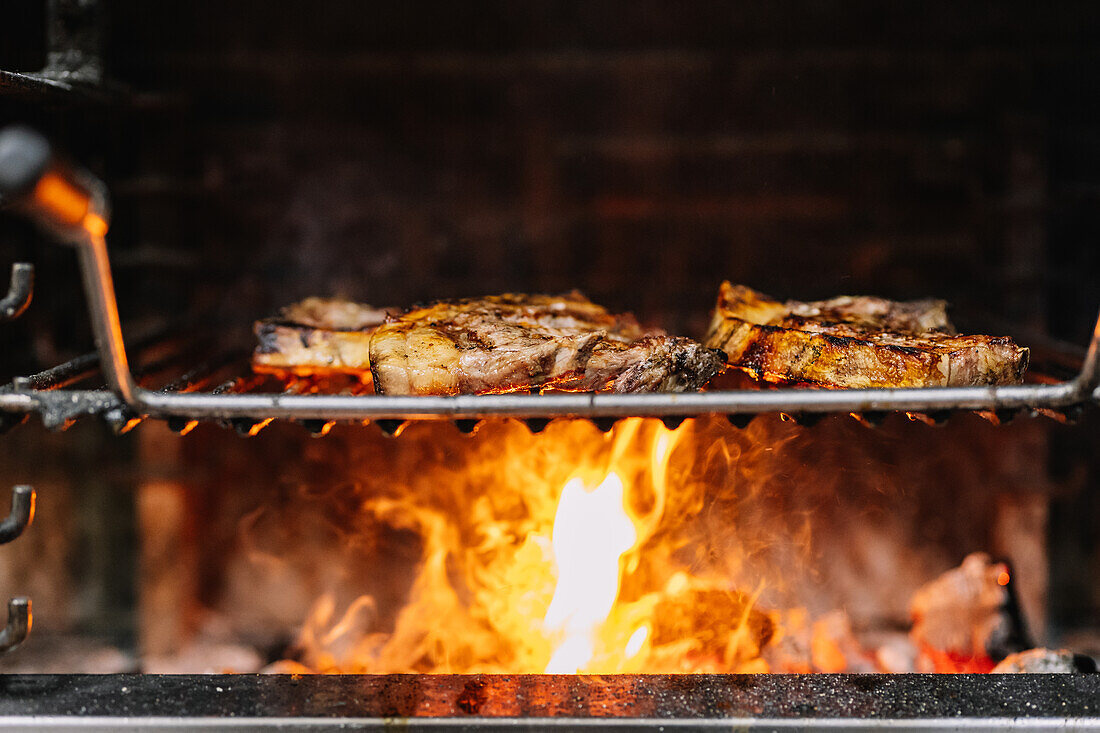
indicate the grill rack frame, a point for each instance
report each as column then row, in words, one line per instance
column 124, row 402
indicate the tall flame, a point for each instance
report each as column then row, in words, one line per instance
column 646, row 549
column 591, row 533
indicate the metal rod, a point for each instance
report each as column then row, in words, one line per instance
column 19, row 292
column 21, row 516
column 100, row 291
column 61, row 375
column 17, row 402
column 19, row 623
column 351, row 407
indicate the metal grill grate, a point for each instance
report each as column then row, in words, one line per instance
column 221, row 380
column 248, row 402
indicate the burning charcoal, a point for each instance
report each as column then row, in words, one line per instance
column 825, row 645
column 834, row 648
column 1038, row 661
column 717, row 621
column 286, row 666
column 966, row 619
column 897, row 656
column 789, row 651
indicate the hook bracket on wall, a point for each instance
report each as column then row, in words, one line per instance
column 20, row 291
column 19, row 621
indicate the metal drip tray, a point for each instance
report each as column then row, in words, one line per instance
column 551, row 702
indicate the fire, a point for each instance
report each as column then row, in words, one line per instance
column 561, row 560
column 591, row 534
column 640, row 550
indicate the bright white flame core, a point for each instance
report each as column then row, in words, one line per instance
column 591, row 532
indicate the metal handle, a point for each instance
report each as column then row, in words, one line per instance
column 65, row 200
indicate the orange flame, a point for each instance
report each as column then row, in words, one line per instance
column 641, row 550
column 534, row 572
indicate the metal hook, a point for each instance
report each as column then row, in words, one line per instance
column 19, row 623
column 22, row 513
column 19, row 293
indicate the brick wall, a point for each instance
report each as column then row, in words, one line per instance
column 412, row 151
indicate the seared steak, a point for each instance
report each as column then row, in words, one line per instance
column 856, row 342
column 514, row 342
column 316, row 336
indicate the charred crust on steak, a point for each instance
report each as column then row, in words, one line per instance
column 857, row 342
column 516, row 342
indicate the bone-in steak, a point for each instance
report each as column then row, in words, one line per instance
column 513, row 342
column 857, row 342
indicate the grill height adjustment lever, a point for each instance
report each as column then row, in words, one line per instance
column 72, row 205
column 62, row 198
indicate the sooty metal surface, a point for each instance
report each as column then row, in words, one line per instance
column 539, row 702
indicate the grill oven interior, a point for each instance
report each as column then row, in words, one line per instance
column 255, row 156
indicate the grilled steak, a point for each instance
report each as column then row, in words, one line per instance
column 513, row 342
column 856, row 342
column 316, row 336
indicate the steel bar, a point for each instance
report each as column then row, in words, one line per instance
column 74, row 370
column 99, row 289
column 350, row 407
column 552, row 702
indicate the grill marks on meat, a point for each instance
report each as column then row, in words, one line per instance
column 317, row 336
column 513, row 342
column 857, row 342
